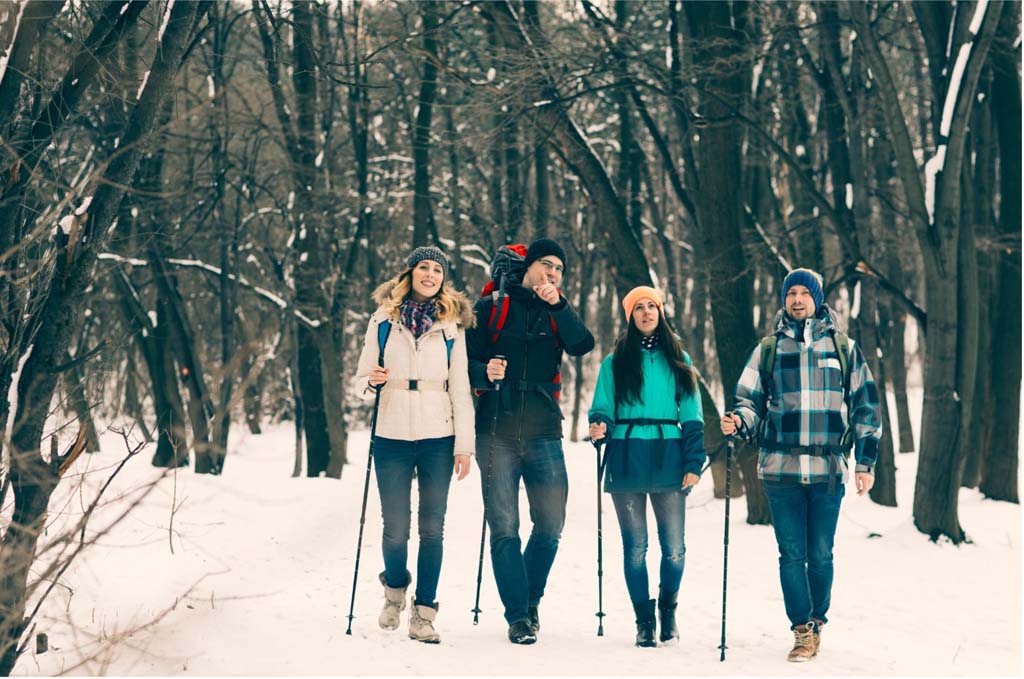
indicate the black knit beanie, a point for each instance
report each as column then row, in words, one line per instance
column 542, row 247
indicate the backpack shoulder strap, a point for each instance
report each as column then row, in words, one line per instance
column 449, row 342
column 842, row 342
column 383, row 330
column 499, row 314
column 767, row 364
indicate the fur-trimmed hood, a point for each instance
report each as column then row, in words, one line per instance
column 464, row 317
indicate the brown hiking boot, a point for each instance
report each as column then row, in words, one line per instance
column 818, row 624
column 805, row 646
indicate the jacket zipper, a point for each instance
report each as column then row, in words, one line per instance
column 522, row 395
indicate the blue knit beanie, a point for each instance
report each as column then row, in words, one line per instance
column 807, row 278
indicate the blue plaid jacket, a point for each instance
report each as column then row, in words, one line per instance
column 807, row 406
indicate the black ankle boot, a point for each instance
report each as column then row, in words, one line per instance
column 667, row 615
column 645, row 623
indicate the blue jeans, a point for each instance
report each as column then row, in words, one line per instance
column 670, row 514
column 433, row 461
column 805, row 518
column 522, row 576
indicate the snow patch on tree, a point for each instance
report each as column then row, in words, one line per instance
column 931, row 170
column 167, row 20
column 979, row 16
column 953, row 92
column 142, row 86
column 4, row 58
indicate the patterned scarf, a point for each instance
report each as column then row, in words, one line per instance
column 649, row 343
column 418, row 316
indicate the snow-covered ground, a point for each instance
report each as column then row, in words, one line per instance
column 261, row 572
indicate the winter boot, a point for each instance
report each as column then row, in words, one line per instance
column 667, row 615
column 818, row 624
column 645, row 623
column 521, row 632
column 421, row 624
column 534, row 618
column 394, row 603
column 805, row 645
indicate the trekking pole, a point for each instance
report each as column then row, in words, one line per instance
column 487, row 490
column 366, row 491
column 600, row 560
column 725, row 558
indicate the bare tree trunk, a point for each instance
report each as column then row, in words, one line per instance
column 182, row 339
column 586, row 258
column 153, row 342
column 627, row 259
column 999, row 480
column 227, row 233
column 74, row 386
column 977, row 207
column 717, row 43
column 32, row 478
column 423, row 212
column 945, row 414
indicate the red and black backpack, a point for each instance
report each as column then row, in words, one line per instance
column 508, row 267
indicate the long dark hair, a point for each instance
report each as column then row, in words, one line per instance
column 626, row 364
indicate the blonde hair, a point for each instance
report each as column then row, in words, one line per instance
column 448, row 306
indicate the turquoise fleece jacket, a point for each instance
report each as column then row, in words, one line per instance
column 654, row 457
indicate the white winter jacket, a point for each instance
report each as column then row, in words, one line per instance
column 431, row 412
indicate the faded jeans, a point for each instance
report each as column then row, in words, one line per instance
column 521, row 576
column 670, row 514
column 433, row 461
column 805, row 518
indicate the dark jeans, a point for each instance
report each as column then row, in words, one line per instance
column 522, row 576
column 805, row 518
column 670, row 514
column 433, row 460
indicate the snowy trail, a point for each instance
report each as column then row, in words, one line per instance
column 271, row 561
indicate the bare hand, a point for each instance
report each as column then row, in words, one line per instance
column 730, row 423
column 690, row 480
column 378, row 376
column 496, row 369
column 547, row 292
column 598, row 430
column 462, row 466
column 863, row 482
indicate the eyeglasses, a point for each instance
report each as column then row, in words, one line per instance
column 552, row 267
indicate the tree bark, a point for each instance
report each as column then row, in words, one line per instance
column 716, row 46
column 33, row 479
column 422, row 209
column 999, row 480
column 949, row 337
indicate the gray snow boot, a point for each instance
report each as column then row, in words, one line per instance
column 421, row 624
column 394, row 604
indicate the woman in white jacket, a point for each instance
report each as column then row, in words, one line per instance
column 424, row 424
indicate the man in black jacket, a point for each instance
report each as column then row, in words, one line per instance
column 527, row 422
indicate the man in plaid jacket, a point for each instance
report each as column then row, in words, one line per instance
column 806, row 421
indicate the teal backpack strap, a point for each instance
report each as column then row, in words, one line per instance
column 449, row 342
column 383, row 330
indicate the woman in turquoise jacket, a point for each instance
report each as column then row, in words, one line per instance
column 647, row 396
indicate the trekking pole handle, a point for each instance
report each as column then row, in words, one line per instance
column 497, row 383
